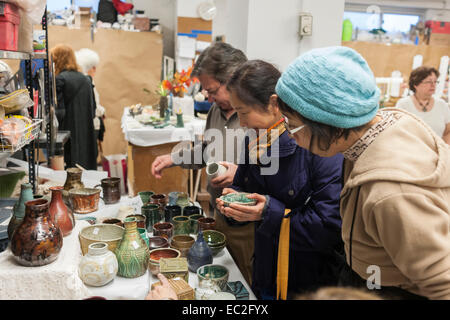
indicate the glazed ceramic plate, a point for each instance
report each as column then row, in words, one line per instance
column 237, row 198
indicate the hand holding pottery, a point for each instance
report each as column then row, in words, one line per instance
column 225, row 179
column 244, row 207
column 220, row 204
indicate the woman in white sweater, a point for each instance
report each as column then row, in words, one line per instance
column 434, row 112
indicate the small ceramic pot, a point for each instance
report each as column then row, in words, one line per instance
column 157, row 254
column 191, row 210
column 206, row 223
column 163, row 229
column 159, row 198
column 115, row 221
column 145, row 196
column 84, row 200
column 99, row 266
column 157, row 242
column 194, row 222
column 183, row 200
column 143, row 233
column 181, row 225
column 140, row 220
column 152, row 214
column 213, row 277
column 171, row 211
column 182, row 243
column 111, row 190
column 173, row 197
column 214, row 169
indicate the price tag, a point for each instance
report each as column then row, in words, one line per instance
column 135, row 244
column 96, row 230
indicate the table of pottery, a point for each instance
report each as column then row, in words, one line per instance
column 137, row 288
column 145, row 143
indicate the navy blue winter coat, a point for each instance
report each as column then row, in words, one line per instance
column 315, row 227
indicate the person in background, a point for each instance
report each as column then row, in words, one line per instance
column 435, row 112
column 213, row 68
column 305, row 183
column 395, row 201
column 75, row 111
column 88, row 60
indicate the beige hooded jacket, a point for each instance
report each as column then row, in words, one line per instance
column 402, row 214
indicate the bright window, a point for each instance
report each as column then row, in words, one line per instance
column 56, row 5
column 399, row 22
column 363, row 20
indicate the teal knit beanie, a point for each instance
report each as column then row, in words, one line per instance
column 332, row 85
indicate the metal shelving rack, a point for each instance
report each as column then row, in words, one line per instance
column 28, row 57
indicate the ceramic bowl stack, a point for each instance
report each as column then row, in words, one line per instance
column 216, row 240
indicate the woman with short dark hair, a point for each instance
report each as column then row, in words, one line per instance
column 395, row 201
column 298, row 242
column 435, row 112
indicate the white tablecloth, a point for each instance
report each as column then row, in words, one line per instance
column 138, row 288
column 56, row 281
column 146, row 136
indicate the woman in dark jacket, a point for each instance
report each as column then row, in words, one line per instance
column 295, row 179
column 75, row 110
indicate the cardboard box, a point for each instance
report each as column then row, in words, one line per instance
column 439, row 39
column 174, row 267
column 181, row 287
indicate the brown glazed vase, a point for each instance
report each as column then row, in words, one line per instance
column 73, row 181
column 60, row 213
column 37, row 241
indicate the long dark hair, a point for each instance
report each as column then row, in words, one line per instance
column 254, row 82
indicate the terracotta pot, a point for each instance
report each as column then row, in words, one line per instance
column 84, row 200
column 37, row 241
column 132, row 253
column 60, row 213
column 26, row 194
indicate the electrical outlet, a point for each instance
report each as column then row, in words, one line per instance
column 305, row 28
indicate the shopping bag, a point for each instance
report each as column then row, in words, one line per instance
column 116, row 166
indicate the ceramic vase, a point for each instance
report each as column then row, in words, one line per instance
column 37, row 241
column 73, row 181
column 163, row 105
column 99, row 266
column 26, row 194
column 132, row 252
column 62, row 216
column 199, row 254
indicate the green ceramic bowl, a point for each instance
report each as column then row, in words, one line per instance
column 237, row 198
column 213, row 276
column 214, row 238
column 215, row 250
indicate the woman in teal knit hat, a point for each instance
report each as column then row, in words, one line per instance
column 395, row 201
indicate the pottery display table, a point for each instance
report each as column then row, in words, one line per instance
column 145, row 143
column 138, row 288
